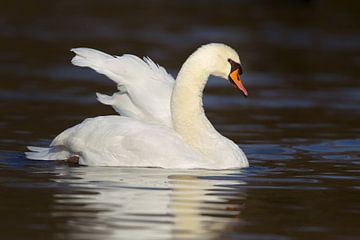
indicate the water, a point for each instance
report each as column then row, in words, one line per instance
column 299, row 127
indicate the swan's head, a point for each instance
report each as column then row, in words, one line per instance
column 224, row 62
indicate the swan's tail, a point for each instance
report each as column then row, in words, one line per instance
column 53, row 153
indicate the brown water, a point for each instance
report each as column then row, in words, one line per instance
column 299, row 127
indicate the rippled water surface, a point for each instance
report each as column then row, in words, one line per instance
column 300, row 125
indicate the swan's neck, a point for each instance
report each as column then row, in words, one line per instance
column 188, row 115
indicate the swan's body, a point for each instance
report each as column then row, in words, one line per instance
column 163, row 123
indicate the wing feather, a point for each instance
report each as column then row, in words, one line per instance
column 145, row 88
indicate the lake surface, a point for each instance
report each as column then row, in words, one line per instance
column 300, row 125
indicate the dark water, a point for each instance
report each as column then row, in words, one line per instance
column 300, row 126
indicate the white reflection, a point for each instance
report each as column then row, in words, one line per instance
column 129, row 203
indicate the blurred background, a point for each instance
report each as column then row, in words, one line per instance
column 299, row 126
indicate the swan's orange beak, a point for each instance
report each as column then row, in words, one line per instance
column 235, row 80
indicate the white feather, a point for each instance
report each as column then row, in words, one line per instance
column 144, row 87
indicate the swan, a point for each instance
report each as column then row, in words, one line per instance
column 162, row 122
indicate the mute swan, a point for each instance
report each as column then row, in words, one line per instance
column 163, row 123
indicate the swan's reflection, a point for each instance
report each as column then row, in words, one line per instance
column 120, row 203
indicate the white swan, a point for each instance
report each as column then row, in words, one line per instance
column 163, row 123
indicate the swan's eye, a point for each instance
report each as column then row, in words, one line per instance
column 235, row 66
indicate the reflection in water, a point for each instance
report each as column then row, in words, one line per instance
column 148, row 203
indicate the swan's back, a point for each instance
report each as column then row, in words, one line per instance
column 145, row 88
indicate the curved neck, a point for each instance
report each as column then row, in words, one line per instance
column 187, row 111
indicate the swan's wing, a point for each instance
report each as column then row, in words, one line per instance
column 144, row 87
column 121, row 141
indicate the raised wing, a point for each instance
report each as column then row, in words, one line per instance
column 145, row 88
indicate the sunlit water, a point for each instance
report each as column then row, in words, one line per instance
column 299, row 127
